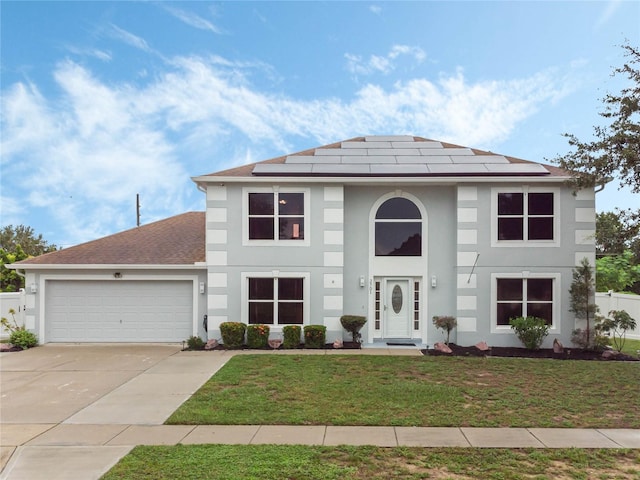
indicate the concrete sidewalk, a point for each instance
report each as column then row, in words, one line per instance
column 73, row 412
column 86, row 452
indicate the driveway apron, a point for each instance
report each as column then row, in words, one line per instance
column 61, row 404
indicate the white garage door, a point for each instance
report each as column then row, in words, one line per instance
column 118, row 311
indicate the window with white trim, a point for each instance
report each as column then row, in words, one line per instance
column 275, row 301
column 276, row 215
column 525, row 215
column 398, row 229
column 523, row 297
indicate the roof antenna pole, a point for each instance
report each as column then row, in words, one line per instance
column 138, row 209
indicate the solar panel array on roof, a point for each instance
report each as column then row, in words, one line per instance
column 396, row 156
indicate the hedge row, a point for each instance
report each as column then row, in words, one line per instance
column 257, row 336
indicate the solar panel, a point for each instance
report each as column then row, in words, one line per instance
column 396, row 156
column 398, row 170
column 373, row 159
column 446, row 151
column 478, row 159
column 517, row 168
column 282, row 169
column 342, row 169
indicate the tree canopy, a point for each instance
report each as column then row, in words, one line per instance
column 618, row 251
column 617, row 232
column 32, row 244
column 615, row 150
column 18, row 243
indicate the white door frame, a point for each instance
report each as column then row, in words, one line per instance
column 389, row 313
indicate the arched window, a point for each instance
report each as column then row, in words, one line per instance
column 398, row 229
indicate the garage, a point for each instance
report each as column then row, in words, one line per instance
column 118, row 311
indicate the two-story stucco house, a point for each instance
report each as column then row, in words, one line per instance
column 395, row 228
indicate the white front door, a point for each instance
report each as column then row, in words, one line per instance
column 397, row 308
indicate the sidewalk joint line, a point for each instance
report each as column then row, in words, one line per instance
column 608, row 437
column 465, row 437
column 254, row 435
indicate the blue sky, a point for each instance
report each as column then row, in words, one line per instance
column 104, row 100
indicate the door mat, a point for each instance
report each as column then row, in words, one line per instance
column 401, row 344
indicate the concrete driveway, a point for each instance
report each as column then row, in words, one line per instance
column 51, row 391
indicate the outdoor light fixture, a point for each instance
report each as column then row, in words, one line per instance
column 34, row 288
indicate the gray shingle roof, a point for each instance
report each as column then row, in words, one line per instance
column 178, row 240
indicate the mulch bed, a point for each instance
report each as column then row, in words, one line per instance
column 328, row 346
column 568, row 354
column 7, row 347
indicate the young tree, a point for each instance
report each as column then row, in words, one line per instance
column 615, row 151
column 582, row 293
column 618, row 325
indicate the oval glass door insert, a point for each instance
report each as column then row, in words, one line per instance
column 396, row 299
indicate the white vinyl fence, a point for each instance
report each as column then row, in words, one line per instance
column 9, row 300
column 621, row 301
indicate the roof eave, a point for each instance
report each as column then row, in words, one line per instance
column 221, row 180
column 106, row 266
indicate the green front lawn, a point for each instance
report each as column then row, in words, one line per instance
column 420, row 391
column 631, row 347
column 278, row 462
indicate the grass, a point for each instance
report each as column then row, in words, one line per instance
column 273, row 462
column 631, row 346
column 419, row 391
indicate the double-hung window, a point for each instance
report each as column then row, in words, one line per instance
column 525, row 215
column 276, row 216
column 524, row 297
column 275, row 301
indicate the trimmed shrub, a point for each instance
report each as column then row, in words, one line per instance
column 353, row 324
column 195, row 343
column 257, row 336
column 291, row 336
column 315, row 336
column 232, row 334
column 530, row 330
column 23, row 338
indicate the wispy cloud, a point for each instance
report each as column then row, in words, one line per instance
column 84, row 155
column 193, row 19
column 90, row 52
column 383, row 64
column 608, row 12
column 375, row 9
column 129, row 38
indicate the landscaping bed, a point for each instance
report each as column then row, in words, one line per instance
column 567, row 354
